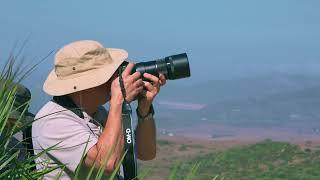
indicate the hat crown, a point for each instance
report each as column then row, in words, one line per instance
column 79, row 57
column 76, row 49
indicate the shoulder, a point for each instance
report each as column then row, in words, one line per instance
column 52, row 110
column 54, row 124
column 53, row 117
column 49, row 108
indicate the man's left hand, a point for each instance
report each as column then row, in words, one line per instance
column 151, row 90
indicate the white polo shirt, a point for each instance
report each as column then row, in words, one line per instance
column 72, row 135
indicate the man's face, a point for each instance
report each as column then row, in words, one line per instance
column 103, row 92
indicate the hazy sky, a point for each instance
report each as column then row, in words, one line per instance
column 224, row 39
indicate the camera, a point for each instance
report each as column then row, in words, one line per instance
column 172, row 67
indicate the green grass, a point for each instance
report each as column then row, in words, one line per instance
column 164, row 143
column 265, row 160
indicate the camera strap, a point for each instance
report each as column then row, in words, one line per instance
column 129, row 162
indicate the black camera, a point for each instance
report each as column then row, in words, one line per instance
column 172, row 67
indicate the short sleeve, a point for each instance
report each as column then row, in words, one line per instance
column 72, row 136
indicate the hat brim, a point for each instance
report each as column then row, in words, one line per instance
column 93, row 78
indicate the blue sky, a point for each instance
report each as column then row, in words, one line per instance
column 224, row 39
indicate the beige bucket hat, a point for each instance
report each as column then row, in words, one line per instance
column 82, row 65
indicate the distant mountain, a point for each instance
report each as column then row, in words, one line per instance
column 222, row 90
column 260, row 101
column 281, row 108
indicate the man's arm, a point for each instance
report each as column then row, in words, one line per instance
column 109, row 148
column 145, row 134
column 146, row 129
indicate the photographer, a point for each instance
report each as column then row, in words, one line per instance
column 84, row 78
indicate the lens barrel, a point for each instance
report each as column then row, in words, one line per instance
column 172, row 67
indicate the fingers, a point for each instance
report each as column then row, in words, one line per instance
column 149, row 86
column 162, row 79
column 154, row 79
column 134, row 77
column 134, row 85
column 128, row 70
column 138, row 83
column 134, row 93
column 137, row 91
column 133, row 81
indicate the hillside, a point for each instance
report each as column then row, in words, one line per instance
column 214, row 91
column 264, row 160
column 251, row 102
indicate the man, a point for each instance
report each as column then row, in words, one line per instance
column 84, row 78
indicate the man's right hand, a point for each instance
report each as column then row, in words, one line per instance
column 132, row 83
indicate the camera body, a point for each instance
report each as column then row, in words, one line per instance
column 172, row 67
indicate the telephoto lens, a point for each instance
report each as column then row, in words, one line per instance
column 172, row 67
